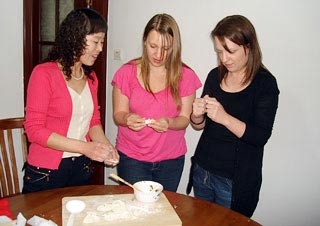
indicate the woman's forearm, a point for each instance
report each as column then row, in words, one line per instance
column 178, row 123
column 97, row 134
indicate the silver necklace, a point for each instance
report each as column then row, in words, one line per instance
column 81, row 77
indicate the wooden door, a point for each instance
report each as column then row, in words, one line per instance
column 38, row 38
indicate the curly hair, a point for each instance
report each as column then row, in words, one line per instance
column 70, row 40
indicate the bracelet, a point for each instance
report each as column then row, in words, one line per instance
column 199, row 123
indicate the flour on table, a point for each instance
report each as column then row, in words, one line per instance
column 116, row 206
column 105, row 207
column 118, row 210
column 91, row 217
column 111, row 211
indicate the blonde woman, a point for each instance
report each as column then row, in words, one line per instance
column 152, row 101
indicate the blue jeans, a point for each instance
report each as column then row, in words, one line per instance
column 166, row 172
column 73, row 171
column 211, row 187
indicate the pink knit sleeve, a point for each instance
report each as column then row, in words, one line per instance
column 38, row 98
column 96, row 118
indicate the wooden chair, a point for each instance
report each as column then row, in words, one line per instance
column 8, row 165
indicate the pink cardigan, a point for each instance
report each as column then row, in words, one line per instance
column 48, row 110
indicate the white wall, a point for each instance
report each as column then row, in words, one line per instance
column 11, row 59
column 288, row 32
column 11, row 66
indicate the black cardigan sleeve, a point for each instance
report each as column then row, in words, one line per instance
column 259, row 130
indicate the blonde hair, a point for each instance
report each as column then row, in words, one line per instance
column 166, row 26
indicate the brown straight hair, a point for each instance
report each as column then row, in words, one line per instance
column 239, row 30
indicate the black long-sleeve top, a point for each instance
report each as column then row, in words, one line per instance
column 222, row 153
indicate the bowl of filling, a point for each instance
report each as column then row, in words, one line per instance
column 147, row 191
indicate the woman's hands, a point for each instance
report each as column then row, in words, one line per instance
column 211, row 106
column 101, row 152
column 136, row 123
column 98, row 149
column 215, row 110
column 199, row 107
column 123, row 117
column 113, row 156
column 160, row 125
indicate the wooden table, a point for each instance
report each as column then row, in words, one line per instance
column 192, row 211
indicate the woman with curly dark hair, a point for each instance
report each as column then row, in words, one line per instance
column 62, row 113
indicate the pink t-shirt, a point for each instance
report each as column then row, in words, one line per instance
column 147, row 144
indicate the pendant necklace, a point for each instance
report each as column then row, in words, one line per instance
column 81, row 77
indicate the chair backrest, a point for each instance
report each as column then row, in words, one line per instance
column 8, row 165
